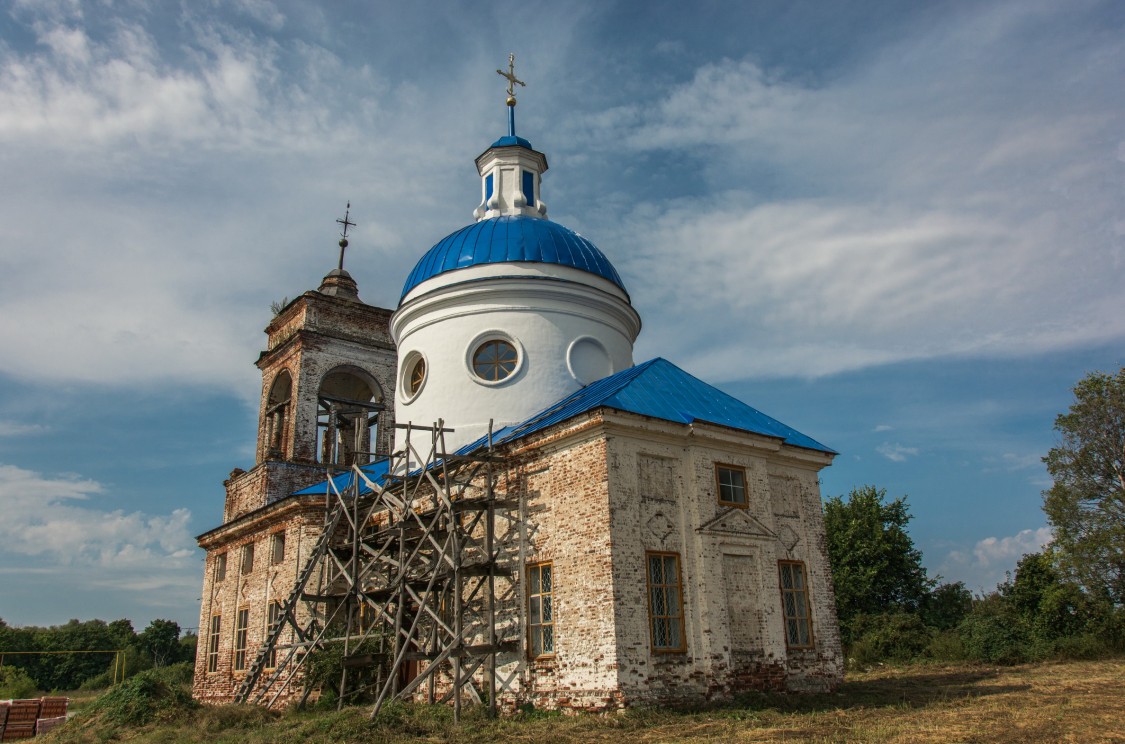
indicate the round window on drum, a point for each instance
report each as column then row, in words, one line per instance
column 495, row 360
column 417, row 376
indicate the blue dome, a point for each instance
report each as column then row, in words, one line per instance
column 512, row 239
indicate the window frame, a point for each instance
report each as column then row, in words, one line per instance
column 804, row 592
column 213, row 643
column 220, row 566
column 277, row 544
column 241, row 639
column 679, row 590
column 533, row 627
column 720, row 466
column 246, row 562
column 504, row 367
column 273, row 617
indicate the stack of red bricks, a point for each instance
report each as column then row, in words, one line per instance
column 23, row 719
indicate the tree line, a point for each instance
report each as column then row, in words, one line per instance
column 160, row 644
column 1067, row 601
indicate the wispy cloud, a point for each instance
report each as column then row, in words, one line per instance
column 18, row 429
column 947, row 197
column 883, row 427
column 896, row 452
column 1013, row 461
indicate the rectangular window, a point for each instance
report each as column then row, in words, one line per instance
column 213, row 644
column 541, row 609
column 240, row 632
column 732, row 485
column 247, row 558
column 220, row 566
column 795, row 604
column 277, row 547
column 487, row 188
column 273, row 617
column 665, row 602
column 529, row 188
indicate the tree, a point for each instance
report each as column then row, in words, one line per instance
column 161, row 639
column 875, row 566
column 947, row 605
column 1086, row 504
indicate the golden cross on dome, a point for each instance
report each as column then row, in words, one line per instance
column 510, row 76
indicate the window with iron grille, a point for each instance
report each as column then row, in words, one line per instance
column 541, row 609
column 665, row 602
column 213, row 644
column 240, row 631
column 795, row 604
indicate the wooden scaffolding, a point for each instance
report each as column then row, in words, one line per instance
column 414, row 581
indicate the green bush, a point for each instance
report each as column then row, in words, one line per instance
column 325, row 665
column 16, row 683
column 893, row 636
column 1084, row 646
column 993, row 636
column 142, row 699
column 946, row 645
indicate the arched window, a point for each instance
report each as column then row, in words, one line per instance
column 348, row 406
column 277, row 417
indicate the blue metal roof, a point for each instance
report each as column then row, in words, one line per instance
column 510, row 140
column 662, row 390
column 656, row 388
column 512, row 239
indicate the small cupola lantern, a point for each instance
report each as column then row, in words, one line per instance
column 511, row 169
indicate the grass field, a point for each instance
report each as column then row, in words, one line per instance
column 1050, row 702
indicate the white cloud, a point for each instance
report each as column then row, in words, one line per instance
column 883, row 427
column 948, row 196
column 984, row 565
column 896, row 452
column 55, row 521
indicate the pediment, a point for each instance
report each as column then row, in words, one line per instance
column 736, row 522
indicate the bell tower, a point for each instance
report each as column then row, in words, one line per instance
column 328, row 375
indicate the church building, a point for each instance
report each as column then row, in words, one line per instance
column 668, row 543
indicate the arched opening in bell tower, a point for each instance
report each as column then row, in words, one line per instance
column 277, row 416
column 348, row 406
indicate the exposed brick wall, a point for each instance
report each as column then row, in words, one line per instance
column 300, row 520
column 311, row 337
column 654, row 483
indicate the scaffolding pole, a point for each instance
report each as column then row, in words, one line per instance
column 425, row 560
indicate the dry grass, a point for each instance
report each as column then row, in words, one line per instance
column 1054, row 702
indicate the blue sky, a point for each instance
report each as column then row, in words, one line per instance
column 896, row 226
